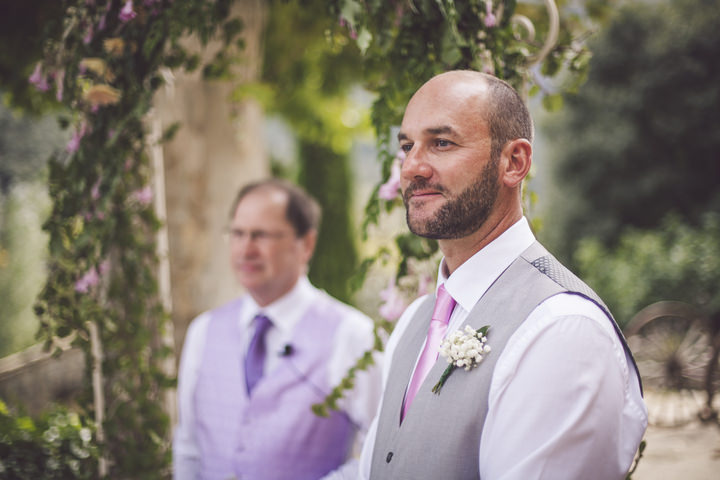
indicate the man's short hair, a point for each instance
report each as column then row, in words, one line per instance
column 302, row 211
column 507, row 115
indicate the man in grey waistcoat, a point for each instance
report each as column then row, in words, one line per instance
column 554, row 393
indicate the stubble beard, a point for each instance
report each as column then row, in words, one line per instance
column 459, row 216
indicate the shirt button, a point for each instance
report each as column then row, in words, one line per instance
column 389, row 457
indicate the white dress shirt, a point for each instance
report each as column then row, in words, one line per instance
column 353, row 337
column 555, row 411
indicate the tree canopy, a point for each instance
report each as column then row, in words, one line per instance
column 641, row 138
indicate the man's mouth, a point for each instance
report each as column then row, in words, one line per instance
column 422, row 192
column 249, row 267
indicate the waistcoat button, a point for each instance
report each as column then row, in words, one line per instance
column 389, row 457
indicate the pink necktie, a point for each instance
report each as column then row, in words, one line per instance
column 444, row 306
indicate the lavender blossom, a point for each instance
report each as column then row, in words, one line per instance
column 38, row 79
column 127, row 13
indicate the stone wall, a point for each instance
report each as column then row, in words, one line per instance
column 32, row 379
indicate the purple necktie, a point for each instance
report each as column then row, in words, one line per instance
column 444, row 306
column 255, row 358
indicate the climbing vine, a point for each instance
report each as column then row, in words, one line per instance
column 403, row 43
column 104, row 69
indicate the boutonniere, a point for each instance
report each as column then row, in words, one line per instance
column 464, row 349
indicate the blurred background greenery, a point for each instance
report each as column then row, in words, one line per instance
column 627, row 165
column 636, row 146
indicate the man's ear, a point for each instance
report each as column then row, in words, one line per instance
column 517, row 155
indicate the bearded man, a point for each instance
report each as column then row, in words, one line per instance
column 554, row 392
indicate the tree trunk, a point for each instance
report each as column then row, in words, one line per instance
column 216, row 150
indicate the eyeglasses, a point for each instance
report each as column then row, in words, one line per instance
column 237, row 235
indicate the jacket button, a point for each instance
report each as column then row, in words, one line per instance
column 389, row 457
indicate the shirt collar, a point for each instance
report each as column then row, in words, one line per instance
column 471, row 280
column 284, row 312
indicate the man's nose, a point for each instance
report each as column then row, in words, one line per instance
column 416, row 164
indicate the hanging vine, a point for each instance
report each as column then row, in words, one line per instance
column 406, row 42
column 104, row 69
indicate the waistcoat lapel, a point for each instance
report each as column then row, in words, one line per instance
column 404, row 359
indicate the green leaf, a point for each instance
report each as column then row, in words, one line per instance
column 552, row 103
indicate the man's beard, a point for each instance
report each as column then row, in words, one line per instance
column 459, row 216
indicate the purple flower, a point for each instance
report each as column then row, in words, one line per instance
column 38, row 79
column 95, row 190
column 490, row 20
column 88, row 35
column 104, row 267
column 102, row 21
column 143, row 196
column 74, row 144
column 350, row 27
column 390, row 189
column 394, row 304
column 399, row 12
column 88, row 280
column 127, row 13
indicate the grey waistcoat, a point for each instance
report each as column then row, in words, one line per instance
column 440, row 435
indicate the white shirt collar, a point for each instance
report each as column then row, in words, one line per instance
column 471, row 279
column 284, row 312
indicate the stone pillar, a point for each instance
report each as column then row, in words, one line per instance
column 217, row 149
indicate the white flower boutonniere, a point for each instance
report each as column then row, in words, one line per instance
column 465, row 349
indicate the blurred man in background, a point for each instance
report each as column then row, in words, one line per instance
column 251, row 369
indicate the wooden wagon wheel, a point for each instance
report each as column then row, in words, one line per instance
column 671, row 345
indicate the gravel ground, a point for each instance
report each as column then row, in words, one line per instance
column 678, row 446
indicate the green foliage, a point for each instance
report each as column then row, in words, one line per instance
column 57, row 446
column 402, row 44
column 638, row 457
column 106, row 68
column 347, row 383
column 24, row 26
column 411, row 247
column 675, row 262
column 640, row 140
column 306, row 81
column 326, row 174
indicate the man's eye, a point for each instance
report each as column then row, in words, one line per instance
column 406, row 147
column 443, row 143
